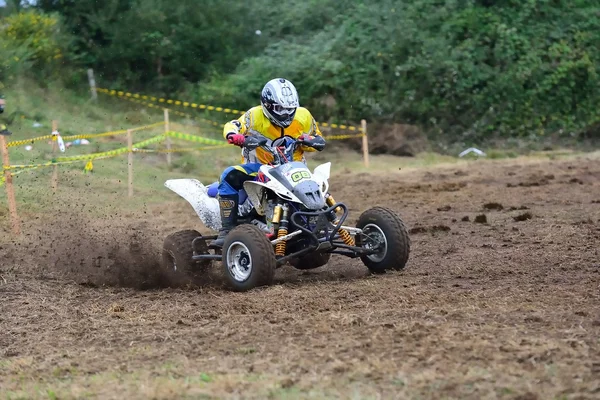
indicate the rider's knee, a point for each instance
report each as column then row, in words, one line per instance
column 235, row 177
column 226, row 173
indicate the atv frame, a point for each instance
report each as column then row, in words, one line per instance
column 328, row 242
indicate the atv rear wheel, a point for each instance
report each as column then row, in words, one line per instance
column 248, row 258
column 177, row 264
column 388, row 231
column 310, row 261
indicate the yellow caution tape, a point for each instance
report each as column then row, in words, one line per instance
column 28, row 141
column 123, row 94
column 176, row 112
column 112, row 153
column 342, row 137
column 182, row 149
column 135, row 96
column 137, row 148
column 113, row 133
column 87, row 157
column 193, row 138
column 82, row 136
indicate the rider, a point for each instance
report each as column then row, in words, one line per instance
column 3, row 129
column 279, row 115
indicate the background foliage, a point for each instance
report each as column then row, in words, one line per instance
column 459, row 69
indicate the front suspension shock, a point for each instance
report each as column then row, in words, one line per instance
column 346, row 237
column 282, row 231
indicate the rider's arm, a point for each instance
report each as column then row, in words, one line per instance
column 234, row 126
column 310, row 127
column 238, row 126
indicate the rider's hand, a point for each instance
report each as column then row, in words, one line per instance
column 236, row 138
column 304, row 137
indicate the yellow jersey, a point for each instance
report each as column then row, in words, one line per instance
column 255, row 122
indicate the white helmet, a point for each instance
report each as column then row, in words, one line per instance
column 279, row 100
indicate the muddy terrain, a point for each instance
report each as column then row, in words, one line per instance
column 500, row 299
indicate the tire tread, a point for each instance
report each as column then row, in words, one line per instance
column 398, row 242
column 261, row 249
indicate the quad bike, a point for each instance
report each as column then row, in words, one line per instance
column 286, row 215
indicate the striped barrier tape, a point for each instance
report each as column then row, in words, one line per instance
column 193, row 138
column 83, row 157
column 343, row 137
column 28, row 167
column 83, row 136
column 28, row 141
column 112, row 133
column 115, row 152
column 129, row 95
column 176, row 112
column 136, row 148
column 182, row 149
column 120, row 93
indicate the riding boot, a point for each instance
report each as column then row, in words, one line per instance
column 229, row 212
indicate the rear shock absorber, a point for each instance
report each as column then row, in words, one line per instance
column 283, row 229
column 346, row 237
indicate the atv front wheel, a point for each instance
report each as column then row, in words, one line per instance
column 248, row 258
column 310, row 261
column 177, row 263
column 385, row 231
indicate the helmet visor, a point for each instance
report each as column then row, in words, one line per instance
column 281, row 110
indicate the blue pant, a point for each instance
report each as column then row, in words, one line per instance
column 233, row 178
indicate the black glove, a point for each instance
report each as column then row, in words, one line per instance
column 1, row 109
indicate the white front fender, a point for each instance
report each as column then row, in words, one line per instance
column 321, row 174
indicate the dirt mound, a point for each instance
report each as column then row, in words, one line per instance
column 395, row 139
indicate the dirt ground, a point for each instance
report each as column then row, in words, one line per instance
column 504, row 305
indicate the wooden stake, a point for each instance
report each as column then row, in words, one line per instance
column 92, row 81
column 10, row 190
column 54, row 181
column 167, row 129
column 130, row 162
column 365, row 143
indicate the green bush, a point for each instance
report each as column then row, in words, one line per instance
column 467, row 69
column 30, row 41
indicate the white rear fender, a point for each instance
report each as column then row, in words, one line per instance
column 196, row 194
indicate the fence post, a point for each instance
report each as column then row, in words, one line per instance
column 10, row 190
column 54, row 181
column 92, row 81
column 365, row 143
column 130, row 162
column 167, row 129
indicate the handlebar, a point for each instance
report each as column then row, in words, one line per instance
column 254, row 142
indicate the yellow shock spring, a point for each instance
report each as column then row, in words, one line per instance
column 346, row 237
column 280, row 247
